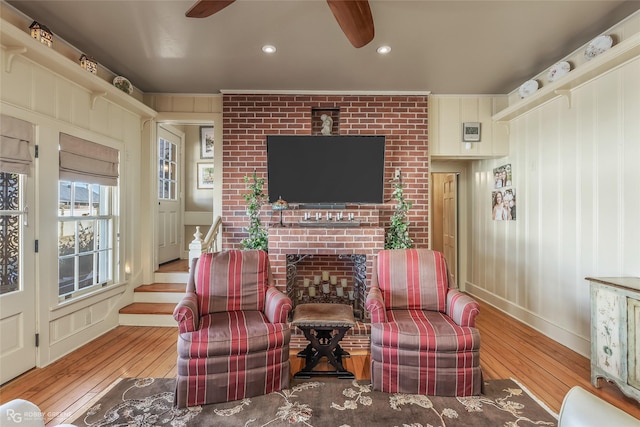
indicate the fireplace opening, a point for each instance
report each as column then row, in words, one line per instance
column 338, row 279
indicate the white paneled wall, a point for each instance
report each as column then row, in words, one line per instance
column 576, row 172
column 54, row 102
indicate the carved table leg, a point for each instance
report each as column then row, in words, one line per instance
column 324, row 343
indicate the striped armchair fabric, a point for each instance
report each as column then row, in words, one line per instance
column 233, row 337
column 423, row 335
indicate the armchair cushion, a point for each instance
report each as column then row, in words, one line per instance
column 413, row 279
column 233, row 333
column 423, row 331
column 231, row 280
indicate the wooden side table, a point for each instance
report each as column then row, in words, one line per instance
column 324, row 325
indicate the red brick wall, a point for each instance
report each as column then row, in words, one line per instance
column 249, row 118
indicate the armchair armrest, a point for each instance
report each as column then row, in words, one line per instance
column 187, row 314
column 277, row 305
column 462, row 308
column 375, row 305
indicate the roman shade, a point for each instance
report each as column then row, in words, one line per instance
column 16, row 136
column 86, row 161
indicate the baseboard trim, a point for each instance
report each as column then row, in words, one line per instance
column 569, row 339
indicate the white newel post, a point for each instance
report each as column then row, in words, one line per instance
column 195, row 247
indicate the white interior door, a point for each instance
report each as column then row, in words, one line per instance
column 17, row 277
column 170, row 222
column 450, row 224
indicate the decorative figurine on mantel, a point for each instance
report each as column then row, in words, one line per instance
column 41, row 33
column 327, row 124
column 89, row 64
column 280, row 205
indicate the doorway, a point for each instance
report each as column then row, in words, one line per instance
column 169, row 231
column 444, row 218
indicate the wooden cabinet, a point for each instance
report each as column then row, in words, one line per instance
column 615, row 325
column 447, row 113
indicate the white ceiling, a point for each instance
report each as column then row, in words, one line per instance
column 446, row 47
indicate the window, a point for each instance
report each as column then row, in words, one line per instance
column 11, row 214
column 167, row 170
column 85, row 237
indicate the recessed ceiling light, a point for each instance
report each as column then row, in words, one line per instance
column 383, row 50
column 267, row 48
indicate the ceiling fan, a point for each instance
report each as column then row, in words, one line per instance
column 353, row 16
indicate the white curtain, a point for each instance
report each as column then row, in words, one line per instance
column 16, row 135
column 86, row 161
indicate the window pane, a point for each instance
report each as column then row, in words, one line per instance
column 66, row 274
column 9, row 253
column 80, row 199
column 66, row 238
column 64, row 198
column 104, row 266
column 9, row 191
column 85, row 236
column 94, row 199
column 10, row 232
column 103, row 235
column 85, row 271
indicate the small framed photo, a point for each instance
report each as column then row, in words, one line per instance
column 206, row 142
column 205, row 175
column 471, row 132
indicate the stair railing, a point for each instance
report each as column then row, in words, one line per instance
column 208, row 244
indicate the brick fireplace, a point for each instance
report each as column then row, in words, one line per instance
column 343, row 251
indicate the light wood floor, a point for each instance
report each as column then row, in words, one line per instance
column 509, row 349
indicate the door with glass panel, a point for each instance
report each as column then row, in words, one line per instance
column 450, row 223
column 170, row 225
column 17, row 276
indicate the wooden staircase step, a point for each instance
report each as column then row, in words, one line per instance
column 162, row 287
column 148, row 308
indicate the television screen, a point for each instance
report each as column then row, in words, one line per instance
column 336, row 169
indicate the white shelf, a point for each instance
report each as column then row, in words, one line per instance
column 624, row 51
column 18, row 43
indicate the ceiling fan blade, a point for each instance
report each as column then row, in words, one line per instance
column 354, row 17
column 204, row 8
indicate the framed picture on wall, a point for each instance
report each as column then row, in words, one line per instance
column 206, row 142
column 205, row 175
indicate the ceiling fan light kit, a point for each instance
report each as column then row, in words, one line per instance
column 353, row 16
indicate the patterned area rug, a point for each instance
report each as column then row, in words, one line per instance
column 339, row 403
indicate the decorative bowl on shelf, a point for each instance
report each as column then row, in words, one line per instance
column 558, row 70
column 123, row 84
column 528, row 88
column 597, row 46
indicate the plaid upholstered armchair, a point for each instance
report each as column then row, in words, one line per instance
column 233, row 337
column 423, row 339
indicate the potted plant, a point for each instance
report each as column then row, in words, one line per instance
column 398, row 234
column 258, row 237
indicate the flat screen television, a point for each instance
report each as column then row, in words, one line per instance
column 316, row 170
